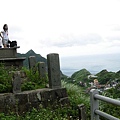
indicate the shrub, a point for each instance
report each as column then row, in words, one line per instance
column 5, row 79
column 33, row 80
column 77, row 96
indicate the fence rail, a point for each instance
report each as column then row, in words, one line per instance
column 95, row 112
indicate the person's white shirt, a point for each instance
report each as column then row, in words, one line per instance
column 0, row 42
column 5, row 35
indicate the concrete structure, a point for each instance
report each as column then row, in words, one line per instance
column 20, row 102
column 42, row 70
column 8, row 56
column 8, row 52
column 16, row 83
column 32, row 62
column 54, row 70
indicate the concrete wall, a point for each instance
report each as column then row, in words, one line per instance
column 25, row 101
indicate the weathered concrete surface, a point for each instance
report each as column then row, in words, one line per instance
column 42, row 70
column 25, row 101
column 14, row 62
column 8, row 56
column 54, row 70
column 32, row 62
column 16, row 83
column 8, row 52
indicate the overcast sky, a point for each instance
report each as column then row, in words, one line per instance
column 66, row 27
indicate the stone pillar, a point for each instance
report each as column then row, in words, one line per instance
column 54, row 70
column 82, row 112
column 32, row 62
column 41, row 69
column 16, row 82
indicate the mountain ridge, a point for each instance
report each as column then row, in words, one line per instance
column 39, row 58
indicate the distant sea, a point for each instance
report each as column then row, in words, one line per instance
column 92, row 63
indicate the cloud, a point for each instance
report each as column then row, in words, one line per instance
column 15, row 32
column 15, row 29
column 90, row 38
column 67, row 27
column 115, row 43
column 112, row 38
column 115, row 27
column 71, row 40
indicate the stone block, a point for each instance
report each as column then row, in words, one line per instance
column 64, row 92
column 42, row 70
column 53, row 96
column 58, row 93
column 10, row 103
column 16, row 82
column 2, row 103
column 33, row 96
column 45, row 96
column 32, row 62
column 54, row 71
column 8, row 52
column 21, row 98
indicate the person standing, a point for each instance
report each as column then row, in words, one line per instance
column 4, row 35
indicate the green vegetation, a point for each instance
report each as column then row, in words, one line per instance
column 110, row 108
column 81, row 75
column 76, row 96
column 66, row 112
column 30, row 82
column 104, row 76
column 33, row 80
column 5, row 80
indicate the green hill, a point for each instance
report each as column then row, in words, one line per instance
column 104, row 76
column 39, row 58
column 81, row 75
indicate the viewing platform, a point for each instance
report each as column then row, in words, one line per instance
column 8, row 52
column 8, row 56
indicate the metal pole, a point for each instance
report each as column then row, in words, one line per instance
column 107, row 99
column 94, row 103
column 105, row 115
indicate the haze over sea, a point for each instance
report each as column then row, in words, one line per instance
column 92, row 63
